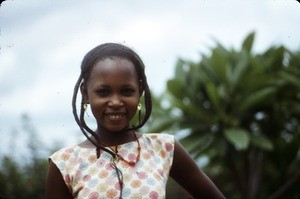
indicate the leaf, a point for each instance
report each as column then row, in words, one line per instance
column 238, row 137
column 197, row 143
column 262, row 142
column 179, row 70
column 197, row 112
column 240, row 69
column 248, row 42
column 176, row 88
column 213, row 95
column 218, row 63
column 277, row 58
column 162, row 124
column 255, row 98
column 290, row 78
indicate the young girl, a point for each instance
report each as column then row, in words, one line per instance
column 115, row 161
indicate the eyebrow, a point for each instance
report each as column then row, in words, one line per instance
column 122, row 86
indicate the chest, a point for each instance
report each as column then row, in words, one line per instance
column 97, row 178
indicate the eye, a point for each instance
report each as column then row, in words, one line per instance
column 103, row 92
column 128, row 91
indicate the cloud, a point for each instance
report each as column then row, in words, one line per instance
column 43, row 43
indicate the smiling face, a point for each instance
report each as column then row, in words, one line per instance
column 113, row 93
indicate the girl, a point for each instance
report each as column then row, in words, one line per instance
column 115, row 161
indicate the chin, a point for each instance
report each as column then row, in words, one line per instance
column 117, row 130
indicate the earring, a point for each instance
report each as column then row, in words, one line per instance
column 139, row 107
column 84, row 106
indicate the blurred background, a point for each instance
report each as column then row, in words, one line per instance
column 224, row 75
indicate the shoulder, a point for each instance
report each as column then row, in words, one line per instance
column 66, row 150
column 160, row 141
column 74, row 150
column 67, row 156
column 159, row 137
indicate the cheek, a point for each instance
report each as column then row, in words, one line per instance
column 95, row 111
column 96, row 106
column 133, row 105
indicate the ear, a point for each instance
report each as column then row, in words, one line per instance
column 84, row 93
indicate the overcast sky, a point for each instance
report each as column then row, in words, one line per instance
column 43, row 42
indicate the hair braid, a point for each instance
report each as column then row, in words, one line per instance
column 101, row 52
column 98, row 53
column 147, row 100
column 81, row 124
column 83, row 121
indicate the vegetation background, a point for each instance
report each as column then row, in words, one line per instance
column 237, row 113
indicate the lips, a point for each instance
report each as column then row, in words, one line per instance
column 115, row 116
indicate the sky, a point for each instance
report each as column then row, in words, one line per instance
column 43, row 42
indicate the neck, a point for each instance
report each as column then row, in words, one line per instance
column 114, row 138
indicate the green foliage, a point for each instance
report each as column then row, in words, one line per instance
column 25, row 178
column 242, row 111
column 238, row 137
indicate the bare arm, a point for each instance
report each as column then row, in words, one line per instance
column 187, row 174
column 55, row 185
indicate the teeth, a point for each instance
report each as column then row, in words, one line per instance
column 114, row 117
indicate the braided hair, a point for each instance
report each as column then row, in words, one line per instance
column 99, row 53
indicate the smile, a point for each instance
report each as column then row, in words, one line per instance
column 115, row 116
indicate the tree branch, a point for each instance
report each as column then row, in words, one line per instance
column 283, row 189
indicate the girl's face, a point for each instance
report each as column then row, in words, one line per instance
column 113, row 93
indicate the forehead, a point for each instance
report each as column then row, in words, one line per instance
column 114, row 69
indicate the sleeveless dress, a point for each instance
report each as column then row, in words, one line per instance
column 89, row 177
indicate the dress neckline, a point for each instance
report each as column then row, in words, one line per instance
column 88, row 145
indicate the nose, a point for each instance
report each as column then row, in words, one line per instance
column 115, row 101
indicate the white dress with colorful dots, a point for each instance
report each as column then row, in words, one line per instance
column 89, row 177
